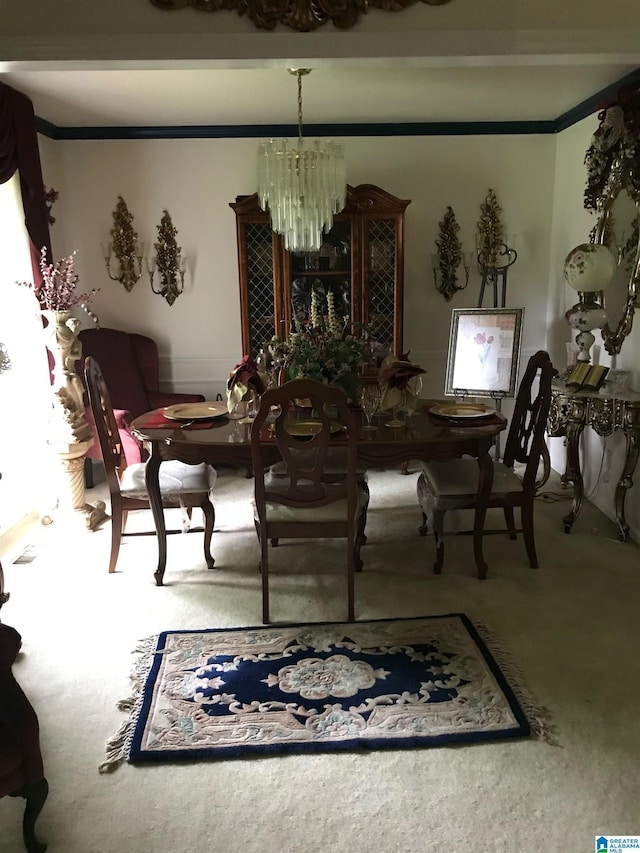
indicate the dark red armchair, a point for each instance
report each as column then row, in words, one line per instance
column 21, row 768
column 130, row 366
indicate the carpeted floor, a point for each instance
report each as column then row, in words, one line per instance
column 572, row 627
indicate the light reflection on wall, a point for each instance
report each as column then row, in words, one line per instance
column 25, row 395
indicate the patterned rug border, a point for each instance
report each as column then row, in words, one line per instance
column 534, row 718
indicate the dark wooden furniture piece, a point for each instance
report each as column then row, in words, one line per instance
column 454, row 484
column 308, row 499
column 228, row 442
column 4, row 596
column 21, row 767
column 604, row 411
column 361, row 262
column 180, row 485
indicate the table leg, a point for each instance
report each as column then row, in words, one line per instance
column 626, row 481
column 572, row 472
column 485, row 464
column 152, row 480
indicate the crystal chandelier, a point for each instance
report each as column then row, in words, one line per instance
column 302, row 183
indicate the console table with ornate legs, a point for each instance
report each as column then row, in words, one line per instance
column 571, row 411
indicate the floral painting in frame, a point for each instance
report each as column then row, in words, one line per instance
column 484, row 352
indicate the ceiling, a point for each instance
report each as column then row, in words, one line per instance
column 365, row 92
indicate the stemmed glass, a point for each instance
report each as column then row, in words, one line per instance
column 412, row 397
column 395, row 420
column 251, row 406
column 370, row 402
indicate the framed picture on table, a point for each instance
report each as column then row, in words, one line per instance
column 484, row 352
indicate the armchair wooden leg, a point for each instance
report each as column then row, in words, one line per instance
column 438, row 529
column 117, row 529
column 209, row 512
column 351, row 577
column 35, row 795
column 88, row 473
column 510, row 522
column 264, row 566
column 4, row 596
column 526, row 514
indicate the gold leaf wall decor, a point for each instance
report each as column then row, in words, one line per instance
column 168, row 261
column 124, row 247
column 449, row 256
column 490, row 231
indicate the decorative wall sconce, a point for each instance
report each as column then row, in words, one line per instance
column 494, row 255
column 447, row 259
column 168, row 261
column 124, row 248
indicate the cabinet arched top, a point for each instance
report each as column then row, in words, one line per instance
column 368, row 197
column 361, row 199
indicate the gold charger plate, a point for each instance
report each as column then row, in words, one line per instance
column 195, row 411
column 308, row 428
column 461, row 411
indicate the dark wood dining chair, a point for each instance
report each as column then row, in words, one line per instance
column 309, row 497
column 446, row 485
column 181, row 485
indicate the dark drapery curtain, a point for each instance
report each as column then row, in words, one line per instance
column 19, row 151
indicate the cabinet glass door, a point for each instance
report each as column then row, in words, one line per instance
column 380, row 293
column 260, row 290
column 323, row 272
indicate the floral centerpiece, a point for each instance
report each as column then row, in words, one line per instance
column 324, row 349
column 58, row 289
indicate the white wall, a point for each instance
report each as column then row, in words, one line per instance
column 199, row 336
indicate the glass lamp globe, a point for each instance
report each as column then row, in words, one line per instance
column 585, row 316
column 589, row 267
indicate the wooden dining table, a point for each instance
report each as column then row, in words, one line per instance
column 425, row 436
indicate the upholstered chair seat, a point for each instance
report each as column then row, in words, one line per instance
column 176, row 479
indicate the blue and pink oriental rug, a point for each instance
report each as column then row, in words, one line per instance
column 392, row 683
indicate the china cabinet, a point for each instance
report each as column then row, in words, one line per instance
column 361, row 262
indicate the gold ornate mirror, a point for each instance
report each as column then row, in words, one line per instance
column 613, row 192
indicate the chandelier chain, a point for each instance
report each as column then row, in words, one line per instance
column 299, row 76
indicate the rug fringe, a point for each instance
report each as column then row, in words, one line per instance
column 118, row 746
column 538, row 716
